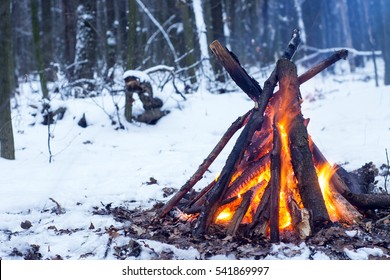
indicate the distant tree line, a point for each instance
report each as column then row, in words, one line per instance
column 88, row 38
column 84, row 37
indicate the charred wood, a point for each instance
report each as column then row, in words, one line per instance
column 231, row 64
column 211, row 205
column 240, row 213
column 251, row 172
column 262, row 214
column 292, row 45
column 275, row 184
column 236, row 125
column 301, row 156
column 338, row 55
column 368, row 201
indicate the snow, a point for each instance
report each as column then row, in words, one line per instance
column 142, row 76
column 363, row 253
column 98, row 165
column 351, row 233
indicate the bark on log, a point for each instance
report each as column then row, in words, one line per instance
column 262, row 214
column 301, row 156
column 292, row 45
column 368, row 201
column 340, row 54
column 231, row 64
column 275, row 184
column 217, row 193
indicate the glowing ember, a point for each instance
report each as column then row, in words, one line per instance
column 225, row 215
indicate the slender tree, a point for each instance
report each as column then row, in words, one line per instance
column 69, row 18
column 189, row 46
column 132, row 36
column 386, row 39
column 38, row 48
column 214, row 21
column 86, row 41
column 47, row 36
column 7, row 149
column 202, row 39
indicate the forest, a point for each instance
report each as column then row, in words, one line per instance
column 108, row 106
column 82, row 41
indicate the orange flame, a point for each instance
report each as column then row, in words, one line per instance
column 325, row 173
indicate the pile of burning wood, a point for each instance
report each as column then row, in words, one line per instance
column 275, row 179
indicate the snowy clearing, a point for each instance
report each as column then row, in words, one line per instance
column 136, row 167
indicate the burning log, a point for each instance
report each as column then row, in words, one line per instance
column 208, row 213
column 273, row 180
column 240, row 213
column 275, row 184
column 301, row 156
column 206, row 164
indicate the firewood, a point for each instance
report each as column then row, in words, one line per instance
column 253, row 146
column 275, row 184
column 198, row 200
column 215, row 195
column 340, row 54
column 301, row 157
column 236, row 125
column 262, row 214
column 300, row 219
column 368, row 201
column 240, row 213
column 231, row 64
column 254, row 123
column 252, row 171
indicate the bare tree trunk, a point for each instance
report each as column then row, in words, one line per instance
column 188, row 39
column 69, row 17
column 111, row 34
column 7, row 149
column 85, row 57
column 202, row 39
column 386, row 41
column 216, row 33
column 347, row 31
column 38, row 48
column 132, row 34
column 47, row 38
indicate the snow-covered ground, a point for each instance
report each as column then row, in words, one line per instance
column 349, row 121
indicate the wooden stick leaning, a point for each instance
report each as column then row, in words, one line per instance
column 236, row 125
column 275, row 184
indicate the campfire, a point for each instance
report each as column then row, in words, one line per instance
column 275, row 180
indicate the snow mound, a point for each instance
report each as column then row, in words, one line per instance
column 140, row 75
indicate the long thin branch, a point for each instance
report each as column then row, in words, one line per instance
column 340, row 54
column 275, row 184
column 206, row 164
column 158, row 25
